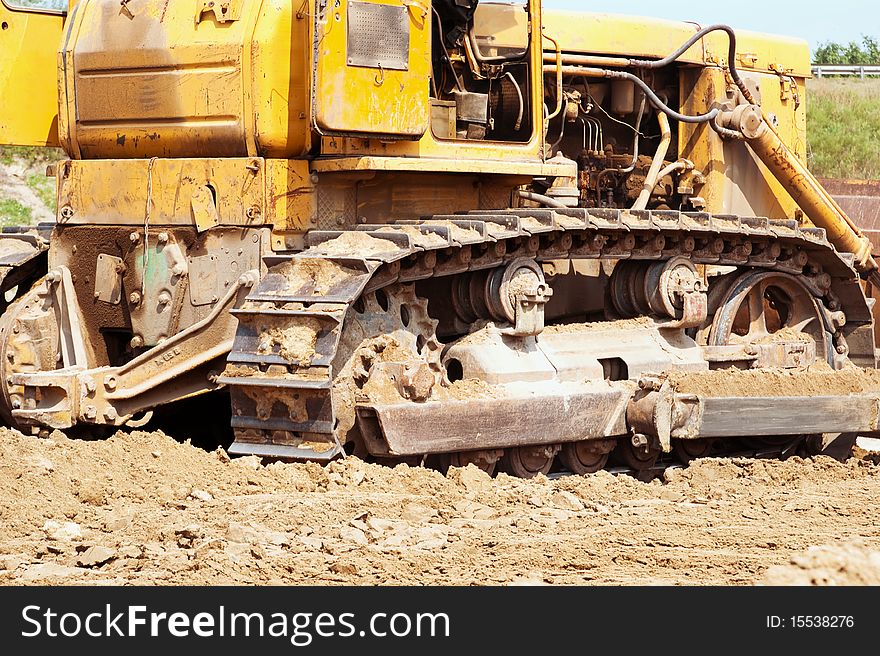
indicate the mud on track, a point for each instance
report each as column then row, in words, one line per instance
column 141, row 508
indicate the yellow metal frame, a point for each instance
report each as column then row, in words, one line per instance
column 27, row 69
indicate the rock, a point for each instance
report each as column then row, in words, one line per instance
column 201, row 495
column 62, row 532
column 565, row 500
column 485, row 512
column 91, row 492
column 379, row 525
column 12, row 562
column 431, row 537
column 536, row 501
column 361, row 524
column 131, row 552
column 48, row 571
column 41, row 464
column 191, row 532
column 117, row 521
column 221, row 454
column 470, row 477
column 344, row 569
column 188, row 535
column 156, row 454
column 530, row 579
column 247, row 462
column 256, row 534
column 472, row 510
column 96, row 556
column 352, row 534
column 238, row 533
column 417, row 513
column 312, row 542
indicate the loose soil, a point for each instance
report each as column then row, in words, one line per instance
column 815, row 380
column 142, row 508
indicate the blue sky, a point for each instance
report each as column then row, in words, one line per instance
column 840, row 20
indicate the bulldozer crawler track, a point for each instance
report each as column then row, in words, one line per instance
column 309, row 293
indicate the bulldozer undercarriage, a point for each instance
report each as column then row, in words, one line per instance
column 432, row 345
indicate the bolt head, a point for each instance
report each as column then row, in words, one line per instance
column 163, row 237
column 91, row 413
column 134, row 237
column 134, row 298
column 110, row 383
column 110, row 414
column 136, row 342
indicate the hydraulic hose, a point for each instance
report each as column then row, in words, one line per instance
column 577, row 71
column 731, row 57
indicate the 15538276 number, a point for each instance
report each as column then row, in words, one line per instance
column 822, row 621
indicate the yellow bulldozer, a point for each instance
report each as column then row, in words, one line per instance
column 450, row 232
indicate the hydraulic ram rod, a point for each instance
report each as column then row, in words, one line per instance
column 803, row 186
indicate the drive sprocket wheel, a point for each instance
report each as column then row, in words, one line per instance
column 388, row 350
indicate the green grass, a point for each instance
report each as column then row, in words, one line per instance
column 44, row 188
column 31, row 155
column 843, row 128
column 14, row 213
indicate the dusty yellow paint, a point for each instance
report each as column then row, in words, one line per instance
column 371, row 99
column 157, row 83
column 410, row 164
column 116, row 191
column 28, row 89
column 222, row 93
column 737, row 182
column 291, row 198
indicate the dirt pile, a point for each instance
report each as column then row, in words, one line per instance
column 141, row 508
column 816, row 380
column 848, row 564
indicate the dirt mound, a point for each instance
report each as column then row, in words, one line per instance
column 816, row 380
column 849, row 564
column 141, row 508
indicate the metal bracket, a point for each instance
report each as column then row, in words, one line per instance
column 204, row 209
column 529, row 310
column 225, row 11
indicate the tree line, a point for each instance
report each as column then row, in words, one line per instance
column 854, row 53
